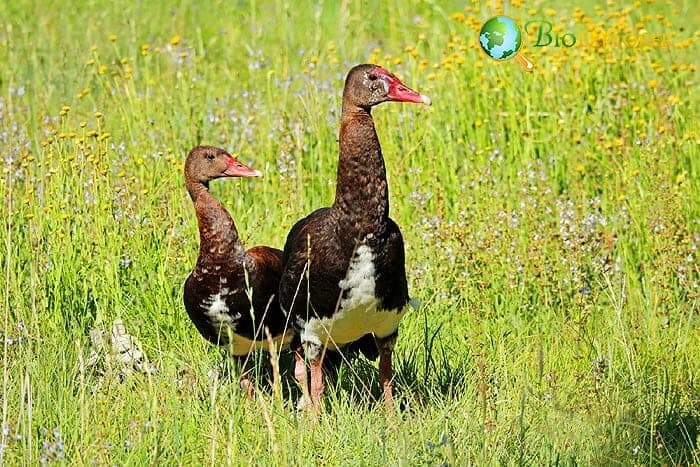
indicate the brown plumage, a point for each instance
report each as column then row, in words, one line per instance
column 216, row 294
column 352, row 252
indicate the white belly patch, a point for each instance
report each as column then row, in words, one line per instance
column 357, row 313
column 216, row 309
column 218, row 312
column 358, row 284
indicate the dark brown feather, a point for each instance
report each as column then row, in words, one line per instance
column 224, row 266
column 319, row 247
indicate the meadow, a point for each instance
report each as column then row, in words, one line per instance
column 551, row 220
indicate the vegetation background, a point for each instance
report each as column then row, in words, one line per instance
column 551, row 223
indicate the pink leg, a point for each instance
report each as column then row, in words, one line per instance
column 300, row 375
column 386, row 372
column 317, row 385
column 248, row 386
column 246, row 380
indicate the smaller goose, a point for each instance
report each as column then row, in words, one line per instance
column 226, row 278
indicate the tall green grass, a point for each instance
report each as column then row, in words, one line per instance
column 550, row 219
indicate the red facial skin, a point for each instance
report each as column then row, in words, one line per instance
column 398, row 91
column 236, row 169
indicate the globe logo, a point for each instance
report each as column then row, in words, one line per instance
column 501, row 39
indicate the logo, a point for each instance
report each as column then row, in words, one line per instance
column 500, row 38
column 544, row 35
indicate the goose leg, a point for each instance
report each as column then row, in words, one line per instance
column 317, row 385
column 386, row 372
column 313, row 353
column 247, row 380
column 300, row 376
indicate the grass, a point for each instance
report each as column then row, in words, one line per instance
column 551, row 222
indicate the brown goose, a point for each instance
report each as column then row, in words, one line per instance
column 217, row 291
column 344, row 275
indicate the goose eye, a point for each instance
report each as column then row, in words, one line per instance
column 372, row 77
column 210, row 157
